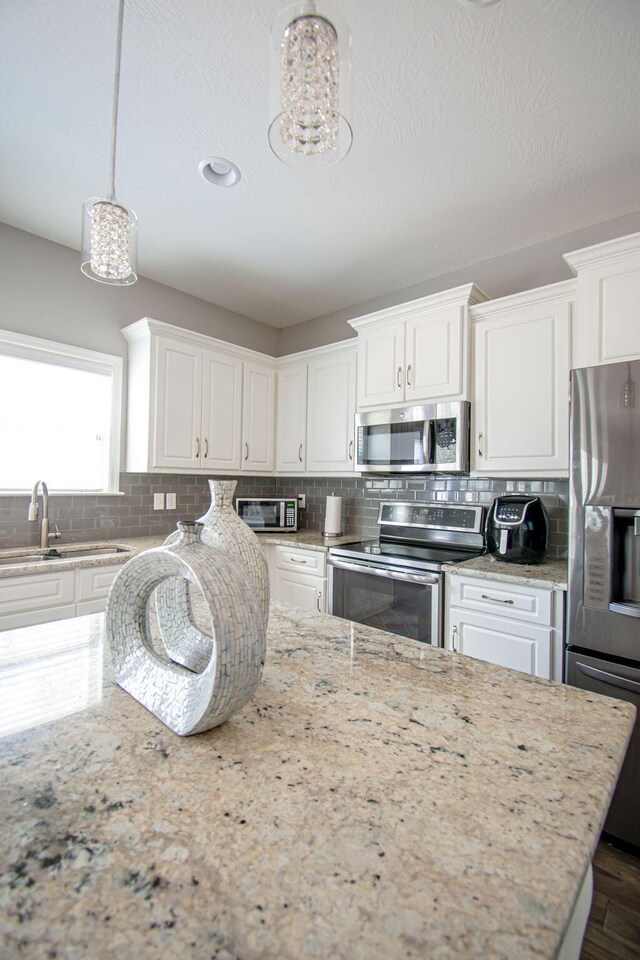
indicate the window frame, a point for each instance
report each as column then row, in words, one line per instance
column 26, row 347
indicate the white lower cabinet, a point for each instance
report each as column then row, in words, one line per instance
column 298, row 576
column 54, row 595
column 514, row 626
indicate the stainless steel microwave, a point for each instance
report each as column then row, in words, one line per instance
column 426, row 439
column 268, row 513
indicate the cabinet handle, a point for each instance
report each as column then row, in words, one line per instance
column 197, row 448
column 293, row 560
column 409, row 375
column 350, row 449
column 206, row 447
column 319, row 601
column 300, row 453
column 485, row 596
column 246, row 448
column 479, row 444
column 399, row 378
column 454, row 639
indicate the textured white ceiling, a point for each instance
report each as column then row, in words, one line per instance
column 476, row 132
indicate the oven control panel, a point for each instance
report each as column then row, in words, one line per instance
column 434, row 516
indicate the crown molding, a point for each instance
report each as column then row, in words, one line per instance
column 608, row 252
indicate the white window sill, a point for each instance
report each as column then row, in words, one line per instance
column 65, row 493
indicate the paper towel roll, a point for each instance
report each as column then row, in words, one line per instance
column 333, row 517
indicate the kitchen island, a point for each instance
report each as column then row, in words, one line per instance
column 375, row 798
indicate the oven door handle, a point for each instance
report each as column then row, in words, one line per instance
column 428, row 578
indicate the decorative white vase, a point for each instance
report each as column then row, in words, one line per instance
column 230, row 661
column 222, row 528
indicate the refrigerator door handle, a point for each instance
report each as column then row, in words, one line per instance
column 611, row 678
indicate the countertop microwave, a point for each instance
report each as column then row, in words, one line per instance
column 269, row 513
column 425, row 439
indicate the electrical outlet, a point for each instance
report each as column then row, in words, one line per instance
column 171, row 501
column 302, row 501
column 158, row 501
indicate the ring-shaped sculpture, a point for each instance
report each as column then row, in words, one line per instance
column 187, row 702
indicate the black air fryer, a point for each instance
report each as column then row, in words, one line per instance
column 517, row 529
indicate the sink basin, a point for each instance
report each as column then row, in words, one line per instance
column 56, row 554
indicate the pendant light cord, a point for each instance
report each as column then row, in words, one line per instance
column 114, row 112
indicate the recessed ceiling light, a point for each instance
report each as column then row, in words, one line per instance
column 219, row 171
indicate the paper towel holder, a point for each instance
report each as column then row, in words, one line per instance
column 332, row 534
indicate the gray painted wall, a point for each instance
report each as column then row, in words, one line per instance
column 513, row 272
column 44, row 294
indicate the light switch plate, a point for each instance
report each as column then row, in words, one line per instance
column 158, row 501
column 171, row 501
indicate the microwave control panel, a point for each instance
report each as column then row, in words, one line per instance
column 290, row 513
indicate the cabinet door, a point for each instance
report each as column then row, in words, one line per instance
column 521, row 646
column 221, row 411
column 258, row 409
column 178, row 405
column 610, row 297
column 522, row 392
column 301, row 590
column 292, row 419
column 381, row 371
column 434, row 355
column 331, row 416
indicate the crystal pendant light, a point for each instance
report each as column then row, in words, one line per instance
column 310, row 87
column 109, row 228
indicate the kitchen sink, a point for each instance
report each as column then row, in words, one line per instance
column 56, row 554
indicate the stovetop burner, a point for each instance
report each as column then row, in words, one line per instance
column 404, row 554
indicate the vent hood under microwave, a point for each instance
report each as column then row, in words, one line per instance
column 425, row 439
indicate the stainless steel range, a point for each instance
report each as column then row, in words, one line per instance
column 395, row 583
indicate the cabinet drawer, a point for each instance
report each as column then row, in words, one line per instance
column 94, row 583
column 306, row 561
column 27, row 618
column 34, row 591
column 529, row 604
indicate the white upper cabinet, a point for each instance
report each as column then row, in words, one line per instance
column 221, row 411
column 291, row 437
column 608, row 301
column 258, row 417
column 331, row 412
column 177, row 439
column 194, row 406
column 521, row 397
column 417, row 352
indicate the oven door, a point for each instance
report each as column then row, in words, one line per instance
column 409, row 604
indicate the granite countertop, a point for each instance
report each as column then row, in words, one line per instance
column 552, row 574
column 376, row 798
column 308, row 539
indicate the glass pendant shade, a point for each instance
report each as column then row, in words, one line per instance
column 109, row 241
column 310, row 87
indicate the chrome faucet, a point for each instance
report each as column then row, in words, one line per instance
column 44, row 519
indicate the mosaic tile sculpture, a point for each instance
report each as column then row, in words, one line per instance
column 222, row 528
column 187, row 702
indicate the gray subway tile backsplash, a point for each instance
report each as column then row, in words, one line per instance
column 83, row 518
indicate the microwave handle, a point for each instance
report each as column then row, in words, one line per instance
column 428, row 442
column 282, row 517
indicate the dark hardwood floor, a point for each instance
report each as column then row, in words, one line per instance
column 613, row 932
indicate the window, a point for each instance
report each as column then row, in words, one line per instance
column 60, row 410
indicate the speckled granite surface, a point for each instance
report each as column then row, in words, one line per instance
column 309, row 539
column 552, row 574
column 375, row 798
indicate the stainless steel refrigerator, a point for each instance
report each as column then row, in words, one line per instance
column 603, row 653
